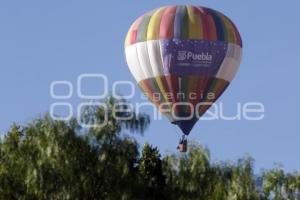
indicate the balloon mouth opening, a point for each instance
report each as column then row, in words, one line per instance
column 186, row 125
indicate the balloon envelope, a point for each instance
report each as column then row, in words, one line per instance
column 183, row 58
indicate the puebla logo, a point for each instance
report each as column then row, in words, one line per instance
column 188, row 55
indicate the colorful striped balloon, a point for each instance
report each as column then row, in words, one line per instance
column 183, row 58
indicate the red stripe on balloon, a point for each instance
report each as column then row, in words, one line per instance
column 149, row 91
column 210, row 26
column 167, row 23
column 134, row 30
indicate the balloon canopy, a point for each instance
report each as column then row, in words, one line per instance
column 183, row 58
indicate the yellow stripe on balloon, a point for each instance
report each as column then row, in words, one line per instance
column 163, row 91
column 153, row 34
column 154, row 25
column 195, row 25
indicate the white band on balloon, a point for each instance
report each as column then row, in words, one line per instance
column 145, row 60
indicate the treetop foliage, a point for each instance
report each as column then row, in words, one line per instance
column 49, row 159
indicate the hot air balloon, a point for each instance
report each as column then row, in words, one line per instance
column 185, row 55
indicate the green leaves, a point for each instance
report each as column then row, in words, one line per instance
column 150, row 174
column 49, row 159
column 280, row 185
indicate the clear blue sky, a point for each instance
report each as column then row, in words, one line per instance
column 43, row 41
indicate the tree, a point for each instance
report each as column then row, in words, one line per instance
column 273, row 182
column 48, row 159
column 242, row 186
column 151, row 174
column 188, row 176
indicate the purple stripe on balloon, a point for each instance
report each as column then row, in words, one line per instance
column 192, row 57
column 181, row 20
